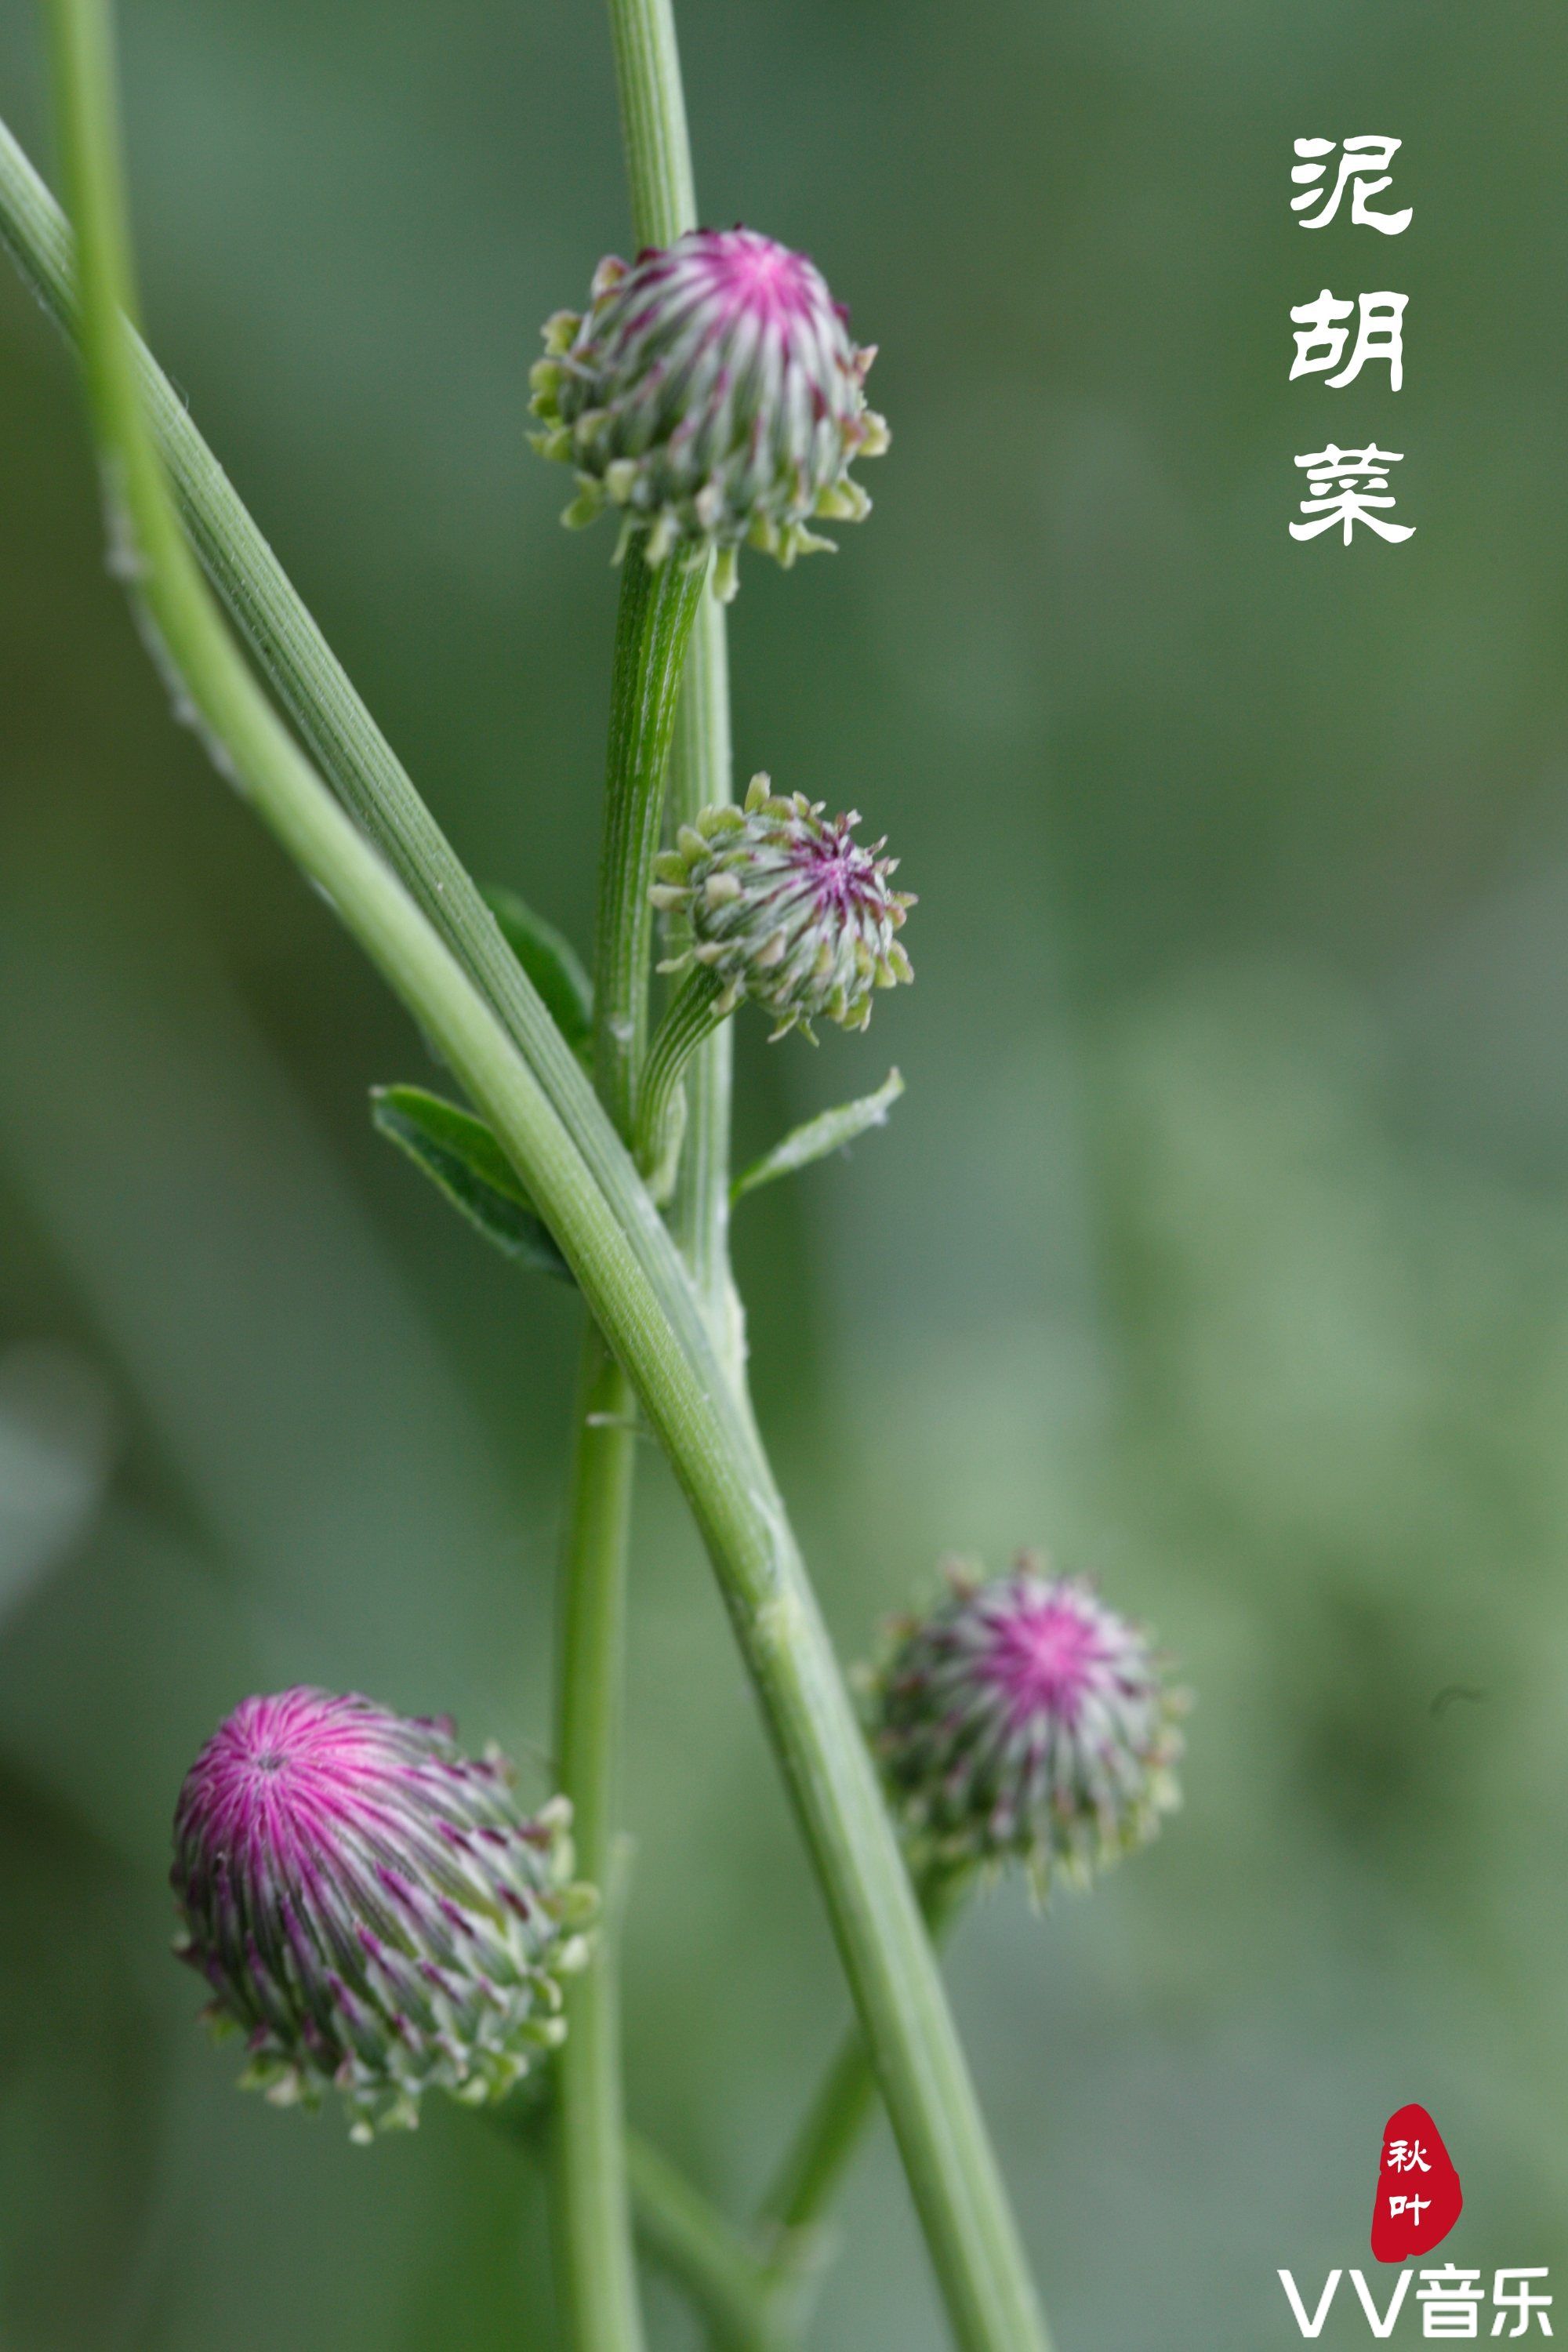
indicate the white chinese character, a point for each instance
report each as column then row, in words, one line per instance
column 1322, row 339
column 1521, row 2298
column 1361, row 160
column 1341, row 470
column 1407, row 2156
column 1413, row 2206
column 1450, row 2303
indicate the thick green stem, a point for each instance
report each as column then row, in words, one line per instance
column 336, row 723
column 653, row 120
column 628, row 1270
column 595, row 2273
column 310, row 682
column 700, row 778
column 652, row 630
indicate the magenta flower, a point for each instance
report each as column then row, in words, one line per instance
column 712, row 394
column 1024, row 1718
column 784, row 904
column 370, row 1907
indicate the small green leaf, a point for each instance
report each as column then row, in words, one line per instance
column 827, row 1132
column 462, row 1158
column 551, row 962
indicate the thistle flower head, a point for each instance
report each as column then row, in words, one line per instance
column 370, row 1907
column 1025, row 1719
column 712, row 394
column 784, row 904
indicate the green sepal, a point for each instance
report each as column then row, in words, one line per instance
column 463, row 1160
column 829, row 1131
column 577, row 1906
column 551, row 962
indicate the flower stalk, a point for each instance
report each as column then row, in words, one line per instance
column 598, row 2275
column 660, row 613
column 701, row 776
column 815, row 2167
column 736, row 2290
column 662, row 190
column 695, row 1012
column 652, row 630
column 596, row 2269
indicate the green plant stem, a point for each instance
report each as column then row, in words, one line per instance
column 661, row 178
column 720, row 2271
column 814, row 2170
column 701, row 777
column 661, row 186
column 331, row 717
column 751, row 2286
column 595, row 2273
column 653, row 627
column 336, row 723
column 693, row 1015
column 706, row 2254
column 615, row 1244
column 653, row 120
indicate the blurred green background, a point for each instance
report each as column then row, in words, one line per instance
column 1219, row 1243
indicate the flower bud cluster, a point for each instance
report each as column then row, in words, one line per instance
column 1024, row 1720
column 711, row 394
column 783, row 905
column 371, row 1907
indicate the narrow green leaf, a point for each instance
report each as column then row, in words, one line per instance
column 463, row 1160
column 551, row 962
column 829, row 1131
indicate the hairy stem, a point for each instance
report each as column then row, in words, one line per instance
column 595, row 2273
column 616, row 1245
